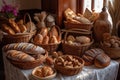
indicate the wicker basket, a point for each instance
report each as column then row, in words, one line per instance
column 75, row 49
column 28, row 64
column 19, row 37
column 52, row 46
column 69, row 25
column 70, row 71
column 113, row 53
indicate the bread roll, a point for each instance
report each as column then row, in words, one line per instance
column 7, row 29
column 22, row 28
column 45, row 40
column 38, row 39
column 54, row 31
column 83, row 39
column 43, row 31
column 53, row 39
column 19, row 56
column 102, row 60
column 14, row 26
column 24, row 47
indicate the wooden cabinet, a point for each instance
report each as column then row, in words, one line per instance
column 57, row 7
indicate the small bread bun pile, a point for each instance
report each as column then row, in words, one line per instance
column 68, row 61
column 43, row 71
column 111, row 41
column 97, row 57
column 11, row 27
column 74, row 18
column 47, row 36
column 79, row 40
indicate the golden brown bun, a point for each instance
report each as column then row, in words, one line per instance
column 43, row 31
column 19, row 56
column 102, row 60
column 14, row 26
column 53, row 39
column 53, row 31
column 38, row 39
column 45, row 40
column 44, row 71
column 21, row 26
column 7, row 29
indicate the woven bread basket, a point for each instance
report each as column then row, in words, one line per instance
column 76, row 49
column 19, row 37
column 69, row 25
column 28, row 64
column 51, row 47
column 113, row 53
column 69, row 71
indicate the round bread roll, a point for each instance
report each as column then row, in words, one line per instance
column 38, row 39
column 102, row 60
column 83, row 39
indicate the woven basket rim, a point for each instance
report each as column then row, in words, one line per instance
column 82, row 64
column 86, row 44
column 66, row 22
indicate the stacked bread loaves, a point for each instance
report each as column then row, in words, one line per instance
column 25, row 55
column 47, row 36
column 11, row 27
column 97, row 57
column 74, row 18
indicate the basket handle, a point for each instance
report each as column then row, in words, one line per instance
column 75, row 30
column 25, row 16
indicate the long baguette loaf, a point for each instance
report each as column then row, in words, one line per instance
column 19, row 56
column 24, row 47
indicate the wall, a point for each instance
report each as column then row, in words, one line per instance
column 24, row 4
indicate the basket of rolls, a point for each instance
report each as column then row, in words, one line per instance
column 111, row 45
column 69, row 65
column 19, row 31
column 48, row 38
column 25, row 55
column 76, row 21
column 76, row 41
column 43, row 73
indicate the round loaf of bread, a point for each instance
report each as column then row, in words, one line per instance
column 102, row 60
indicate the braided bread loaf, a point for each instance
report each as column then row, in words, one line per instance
column 24, row 47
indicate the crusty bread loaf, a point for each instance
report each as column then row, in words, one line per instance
column 97, row 57
column 19, row 56
column 7, row 29
column 102, row 60
column 14, row 26
column 24, row 47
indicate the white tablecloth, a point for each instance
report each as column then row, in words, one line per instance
column 88, row 73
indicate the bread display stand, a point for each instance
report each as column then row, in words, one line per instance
column 88, row 73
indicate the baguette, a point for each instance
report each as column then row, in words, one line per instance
column 14, row 26
column 7, row 29
column 19, row 56
column 24, row 47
